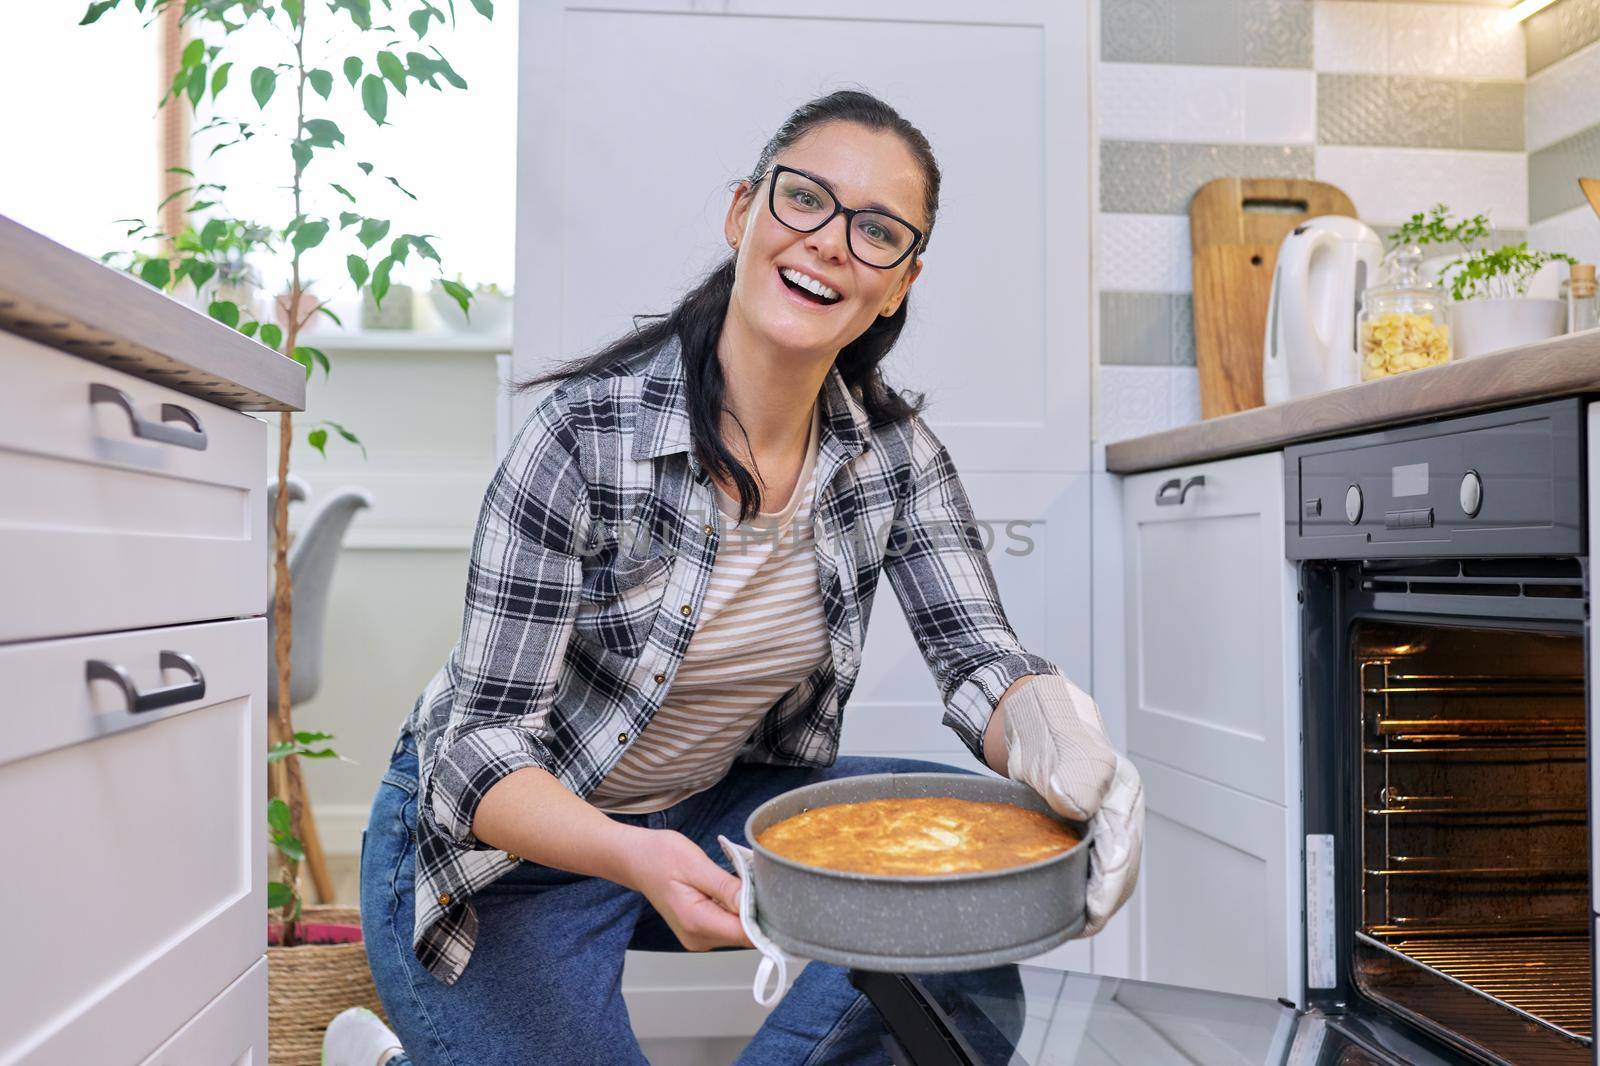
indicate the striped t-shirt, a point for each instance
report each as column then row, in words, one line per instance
column 761, row 632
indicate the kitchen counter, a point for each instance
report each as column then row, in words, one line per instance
column 1562, row 366
column 56, row 296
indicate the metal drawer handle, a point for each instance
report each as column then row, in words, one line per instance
column 138, row 702
column 1165, row 494
column 1196, row 482
column 159, row 431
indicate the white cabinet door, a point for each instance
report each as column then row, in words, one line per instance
column 1218, row 888
column 1212, row 645
column 1212, row 628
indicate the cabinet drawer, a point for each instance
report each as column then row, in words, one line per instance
column 230, row 1031
column 136, row 861
column 101, row 529
column 1212, row 638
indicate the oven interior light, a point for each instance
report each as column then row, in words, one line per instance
column 1527, row 9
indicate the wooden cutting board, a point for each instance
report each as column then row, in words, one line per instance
column 1235, row 227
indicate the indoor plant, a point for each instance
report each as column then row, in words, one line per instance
column 491, row 305
column 1488, row 286
column 220, row 248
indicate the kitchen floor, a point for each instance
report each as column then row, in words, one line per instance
column 661, row 1051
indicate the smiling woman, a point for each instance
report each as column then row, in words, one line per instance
column 667, row 598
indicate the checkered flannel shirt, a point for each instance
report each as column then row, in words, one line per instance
column 590, row 562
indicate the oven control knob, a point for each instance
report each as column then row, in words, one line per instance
column 1471, row 493
column 1352, row 504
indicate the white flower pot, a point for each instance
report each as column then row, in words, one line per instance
column 491, row 313
column 1478, row 327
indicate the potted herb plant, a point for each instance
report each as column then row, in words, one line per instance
column 1490, row 308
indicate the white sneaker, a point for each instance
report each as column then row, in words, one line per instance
column 358, row 1037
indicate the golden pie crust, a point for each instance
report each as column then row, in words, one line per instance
column 914, row 836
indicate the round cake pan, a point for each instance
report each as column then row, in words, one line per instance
column 924, row 923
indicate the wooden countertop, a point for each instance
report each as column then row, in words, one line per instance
column 56, row 296
column 1562, row 366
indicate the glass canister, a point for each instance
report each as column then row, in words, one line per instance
column 1403, row 322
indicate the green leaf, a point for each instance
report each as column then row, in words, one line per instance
column 219, row 79
column 375, row 97
column 391, row 67
column 271, row 335
column 347, row 217
column 366, row 168
column 263, row 80
column 420, row 243
column 321, row 81
column 380, row 281
column 398, row 249
column 358, row 269
column 293, row 10
column 169, row 170
column 306, row 356
column 352, row 70
column 212, row 233
column 460, row 293
column 342, row 191
column 197, row 84
column 157, row 272
column 278, row 895
column 318, row 439
column 301, row 151
column 323, row 132
column 419, row 20
column 200, row 272
column 249, row 328
column 351, row 437
column 484, row 7
column 96, row 10
column 279, row 816
column 372, row 231
column 312, row 738
column 224, row 311
column 322, row 309
column 289, row 844
column 309, row 236
column 301, row 356
column 422, row 68
column 447, row 70
column 402, row 188
column 193, row 52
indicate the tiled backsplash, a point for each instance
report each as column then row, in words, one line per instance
column 1401, row 105
column 1563, row 126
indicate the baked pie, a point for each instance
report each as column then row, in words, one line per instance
column 918, row 835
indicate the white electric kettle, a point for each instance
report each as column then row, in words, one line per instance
column 1324, row 264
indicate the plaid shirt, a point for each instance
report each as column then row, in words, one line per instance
column 591, row 558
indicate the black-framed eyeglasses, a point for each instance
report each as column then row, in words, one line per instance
column 805, row 204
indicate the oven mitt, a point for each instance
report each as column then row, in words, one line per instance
column 1057, row 745
column 773, row 958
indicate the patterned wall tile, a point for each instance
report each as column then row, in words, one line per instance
column 1185, row 396
column 1183, row 330
column 1553, row 173
column 1388, row 185
column 1419, row 112
column 1561, row 98
column 1133, row 401
column 1136, row 176
column 1142, row 253
column 1420, row 40
column 1250, row 33
column 1136, row 328
column 1171, row 102
column 1560, row 30
column 1195, row 164
column 1351, row 36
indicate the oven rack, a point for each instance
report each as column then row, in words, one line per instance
column 1544, row 979
column 1515, row 805
column 1570, row 749
column 1531, row 865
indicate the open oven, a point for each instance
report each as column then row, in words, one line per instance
column 1444, row 586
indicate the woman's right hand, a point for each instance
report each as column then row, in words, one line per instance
column 698, row 899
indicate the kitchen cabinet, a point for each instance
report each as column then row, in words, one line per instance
column 133, row 658
column 1212, row 659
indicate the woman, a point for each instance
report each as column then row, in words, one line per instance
column 667, row 593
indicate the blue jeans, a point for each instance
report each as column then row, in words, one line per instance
column 544, row 983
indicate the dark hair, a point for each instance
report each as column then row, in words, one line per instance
column 697, row 319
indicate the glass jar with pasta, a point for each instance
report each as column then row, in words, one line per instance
column 1402, row 325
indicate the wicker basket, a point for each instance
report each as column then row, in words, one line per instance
column 310, row 983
